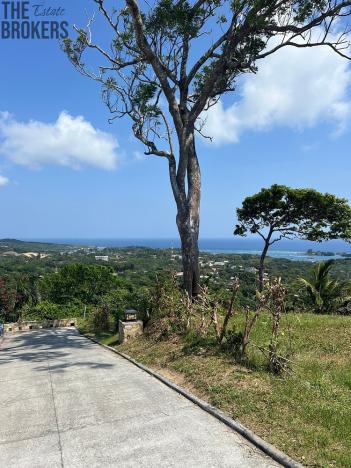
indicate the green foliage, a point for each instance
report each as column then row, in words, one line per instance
column 206, row 318
column 325, row 293
column 117, row 300
column 143, row 98
column 173, row 19
column 17, row 290
column 282, row 212
column 305, row 8
column 101, row 318
column 26, row 246
column 167, row 309
column 46, row 310
column 85, row 283
column 134, row 273
column 303, row 213
column 140, row 300
column 75, row 49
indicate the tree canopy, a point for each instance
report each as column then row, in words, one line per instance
column 283, row 212
column 78, row 282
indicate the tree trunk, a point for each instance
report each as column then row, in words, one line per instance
column 188, row 221
column 190, row 256
column 261, row 268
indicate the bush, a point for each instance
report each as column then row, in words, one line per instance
column 140, row 300
column 168, row 311
column 101, row 318
column 49, row 311
column 117, row 301
column 325, row 294
column 76, row 281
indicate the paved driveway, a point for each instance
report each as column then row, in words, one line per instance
column 67, row 402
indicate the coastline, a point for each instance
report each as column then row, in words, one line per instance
column 294, row 250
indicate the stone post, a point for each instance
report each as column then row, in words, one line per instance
column 129, row 330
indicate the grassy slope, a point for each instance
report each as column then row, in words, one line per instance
column 104, row 337
column 307, row 414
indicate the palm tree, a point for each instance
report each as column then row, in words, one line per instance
column 326, row 293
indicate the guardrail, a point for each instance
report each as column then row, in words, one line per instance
column 37, row 325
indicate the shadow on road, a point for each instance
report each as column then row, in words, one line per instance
column 62, row 348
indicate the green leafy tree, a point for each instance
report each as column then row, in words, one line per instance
column 164, row 65
column 281, row 212
column 7, row 300
column 117, row 301
column 17, row 291
column 78, row 282
column 325, row 292
column 46, row 310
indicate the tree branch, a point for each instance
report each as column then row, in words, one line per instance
column 155, row 62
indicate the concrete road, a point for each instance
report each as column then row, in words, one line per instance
column 67, row 402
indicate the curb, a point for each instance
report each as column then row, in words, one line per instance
column 266, row 447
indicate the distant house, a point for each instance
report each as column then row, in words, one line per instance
column 103, row 258
column 251, row 270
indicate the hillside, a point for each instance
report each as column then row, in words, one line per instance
column 20, row 246
column 306, row 413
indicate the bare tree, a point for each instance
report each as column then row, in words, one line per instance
column 167, row 63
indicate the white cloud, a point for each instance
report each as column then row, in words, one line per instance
column 70, row 141
column 139, row 156
column 3, row 180
column 294, row 87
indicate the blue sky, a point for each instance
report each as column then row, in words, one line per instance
column 289, row 124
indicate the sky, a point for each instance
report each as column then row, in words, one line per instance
column 65, row 172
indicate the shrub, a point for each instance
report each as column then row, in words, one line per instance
column 168, row 312
column 325, row 294
column 77, row 281
column 49, row 311
column 101, row 318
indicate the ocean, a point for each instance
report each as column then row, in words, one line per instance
column 290, row 249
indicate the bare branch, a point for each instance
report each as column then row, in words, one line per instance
column 155, row 62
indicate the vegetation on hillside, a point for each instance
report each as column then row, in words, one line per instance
column 306, row 412
column 263, row 358
column 76, row 281
column 286, row 375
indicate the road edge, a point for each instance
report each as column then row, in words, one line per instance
column 269, row 449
